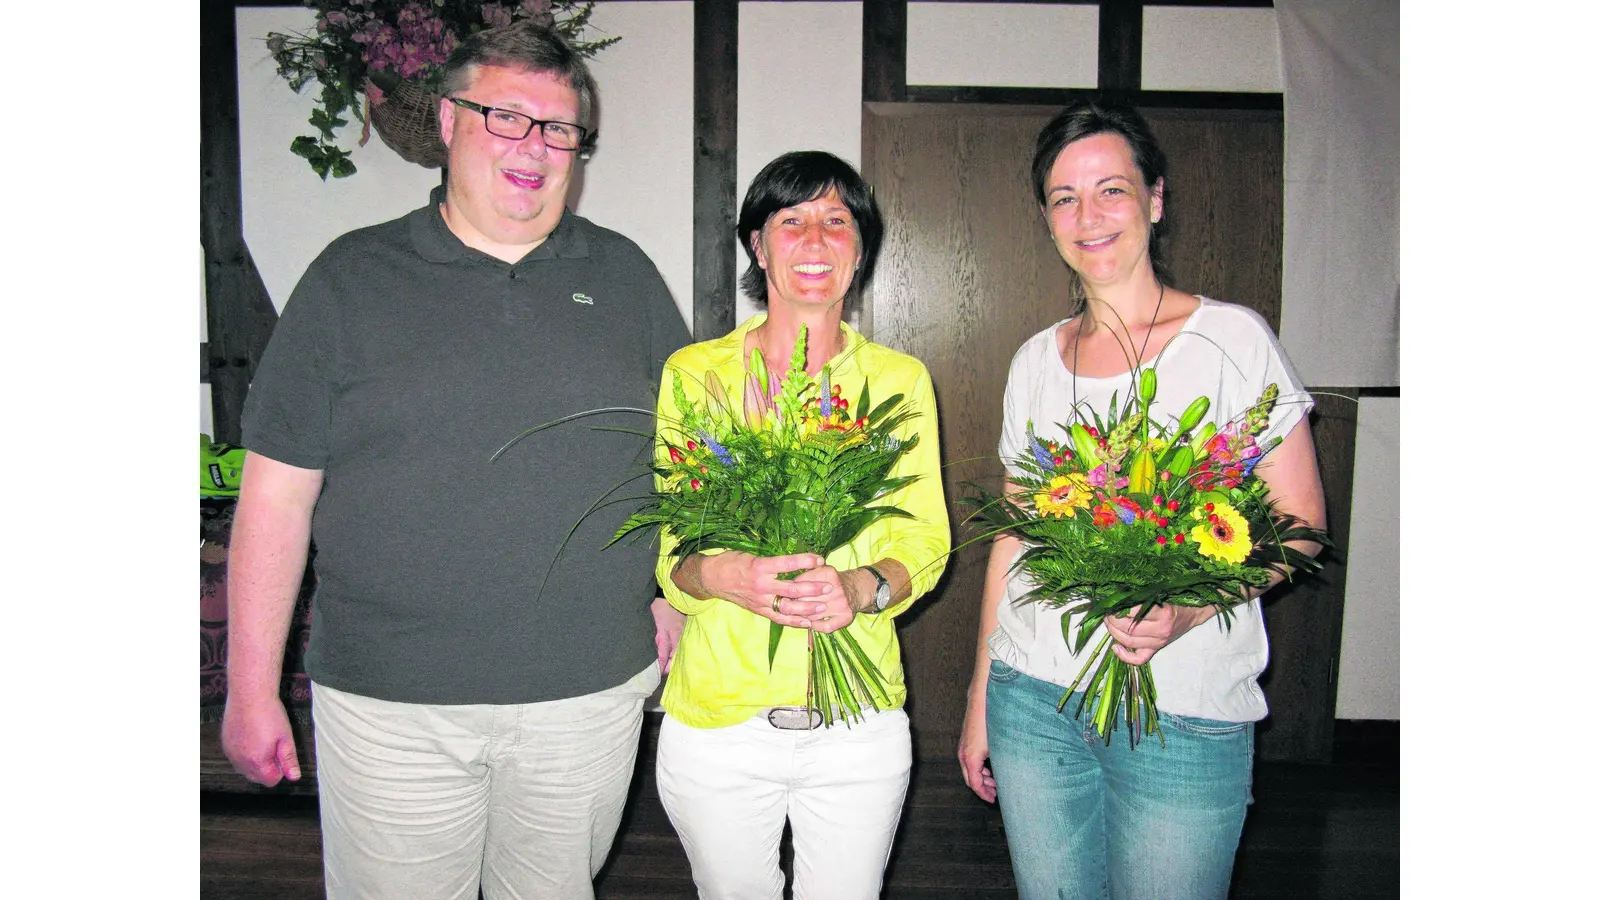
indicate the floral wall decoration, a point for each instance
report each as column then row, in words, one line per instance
column 378, row 61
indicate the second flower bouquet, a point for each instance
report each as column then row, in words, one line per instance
column 1129, row 513
column 794, row 467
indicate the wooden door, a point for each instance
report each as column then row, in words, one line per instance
column 968, row 272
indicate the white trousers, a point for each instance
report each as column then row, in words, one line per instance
column 729, row 790
column 423, row 801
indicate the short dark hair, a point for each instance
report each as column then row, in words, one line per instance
column 792, row 179
column 1087, row 118
column 525, row 45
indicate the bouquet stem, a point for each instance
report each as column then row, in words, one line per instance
column 840, row 679
column 1116, row 687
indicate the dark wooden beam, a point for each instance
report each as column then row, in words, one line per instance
column 239, row 313
column 716, row 146
column 1217, row 3
column 883, row 51
column 1121, row 45
column 1270, row 104
column 1302, row 680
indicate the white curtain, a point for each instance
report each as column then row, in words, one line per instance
column 1341, row 234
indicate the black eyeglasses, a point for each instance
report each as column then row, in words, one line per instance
column 515, row 126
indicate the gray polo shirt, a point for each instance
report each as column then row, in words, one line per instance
column 403, row 360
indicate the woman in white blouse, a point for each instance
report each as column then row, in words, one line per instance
column 1083, row 819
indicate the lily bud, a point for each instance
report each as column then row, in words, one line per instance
column 1193, row 414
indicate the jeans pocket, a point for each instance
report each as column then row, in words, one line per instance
column 1204, row 727
column 1001, row 672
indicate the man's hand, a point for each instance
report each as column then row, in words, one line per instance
column 669, row 629
column 256, row 739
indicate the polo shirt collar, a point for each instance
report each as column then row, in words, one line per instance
column 435, row 242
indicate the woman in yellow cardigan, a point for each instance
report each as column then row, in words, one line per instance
column 739, row 753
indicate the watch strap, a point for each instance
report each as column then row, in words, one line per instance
column 880, row 594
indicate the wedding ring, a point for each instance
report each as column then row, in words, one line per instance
column 775, row 602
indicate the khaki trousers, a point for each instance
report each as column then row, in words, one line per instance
column 423, row 801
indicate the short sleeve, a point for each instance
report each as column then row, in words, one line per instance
column 287, row 414
column 1021, row 380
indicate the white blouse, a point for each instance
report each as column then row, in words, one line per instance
column 1226, row 352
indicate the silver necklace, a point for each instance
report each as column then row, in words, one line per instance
column 1137, row 362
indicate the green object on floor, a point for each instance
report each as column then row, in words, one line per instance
column 220, row 468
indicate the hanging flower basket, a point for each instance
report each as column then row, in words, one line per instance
column 407, row 119
column 400, row 44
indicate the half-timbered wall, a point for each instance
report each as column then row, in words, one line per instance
column 696, row 98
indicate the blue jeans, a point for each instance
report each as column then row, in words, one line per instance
column 1085, row 821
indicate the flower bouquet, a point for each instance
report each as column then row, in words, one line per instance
column 1130, row 513
column 374, row 50
column 790, row 470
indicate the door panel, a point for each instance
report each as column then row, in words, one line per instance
column 966, row 274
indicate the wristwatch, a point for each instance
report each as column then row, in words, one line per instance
column 880, row 594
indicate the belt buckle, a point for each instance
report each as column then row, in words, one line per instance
column 794, row 718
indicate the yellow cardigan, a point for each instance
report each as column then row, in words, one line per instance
column 720, row 674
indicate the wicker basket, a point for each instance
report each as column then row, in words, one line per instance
column 407, row 119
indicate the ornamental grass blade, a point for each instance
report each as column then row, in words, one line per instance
column 1130, row 707
column 866, row 667
column 1093, row 658
column 1085, row 629
column 562, row 421
column 774, row 635
column 1110, row 698
column 841, row 688
column 884, row 407
column 815, row 698
column 1153, row 722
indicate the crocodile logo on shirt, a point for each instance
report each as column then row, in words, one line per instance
column 583, row 298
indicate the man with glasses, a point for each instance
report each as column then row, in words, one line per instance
column 479, row 667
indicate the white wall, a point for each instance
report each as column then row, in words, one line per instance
column 1189, row 48
column 289, row 213
column 1369, row 670
column 1341, row 189
column 640, row 182
column 1058, row 46
column 800, row 88
column 1003, row 44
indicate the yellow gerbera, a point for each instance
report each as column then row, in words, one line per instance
column 1064, row 494
column 1224, row 534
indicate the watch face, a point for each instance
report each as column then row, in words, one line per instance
column 881, row 595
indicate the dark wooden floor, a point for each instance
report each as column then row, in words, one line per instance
column 1315, row 831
